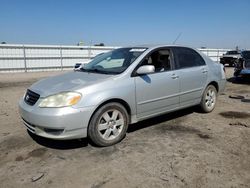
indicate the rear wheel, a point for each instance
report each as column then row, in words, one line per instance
column 108, row 125
column 209, row 99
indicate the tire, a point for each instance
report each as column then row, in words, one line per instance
column 108, row 125
column 245, row 100
column 209, row 99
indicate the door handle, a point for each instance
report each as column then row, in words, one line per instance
column 204, row 71
column 174, row 76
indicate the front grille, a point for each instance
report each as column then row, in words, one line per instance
column 32, row 128
column 53, row 131
column 31, row 97
column 29, row 126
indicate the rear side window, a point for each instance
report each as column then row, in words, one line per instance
column 187, row 57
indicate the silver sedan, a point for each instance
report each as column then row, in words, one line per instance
column 119, row 88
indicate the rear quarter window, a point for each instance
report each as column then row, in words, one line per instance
column 186, row 57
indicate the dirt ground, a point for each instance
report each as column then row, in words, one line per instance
column 181, row 149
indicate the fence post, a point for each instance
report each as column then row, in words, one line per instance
column 61, row 58
column 24, row 58
column 89, row 52
column 218, row 56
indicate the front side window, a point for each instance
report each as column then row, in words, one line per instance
column 113, row 62
column 246, row 54
column 187, row 57
column 232, row 52
column 160, row 59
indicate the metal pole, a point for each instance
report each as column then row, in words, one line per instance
column 61, row 58
column 24, row 58
column 218, row 56
column 89, row 52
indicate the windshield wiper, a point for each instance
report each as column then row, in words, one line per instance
column 94, row 70
column 83, row 69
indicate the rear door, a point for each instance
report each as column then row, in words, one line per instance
column 192, row 71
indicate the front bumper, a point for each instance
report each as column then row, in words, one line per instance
column 56, row 123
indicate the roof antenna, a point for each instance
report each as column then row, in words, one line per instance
column 177, row 37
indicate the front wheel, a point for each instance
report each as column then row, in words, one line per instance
column 209, row 99
column 108, row 125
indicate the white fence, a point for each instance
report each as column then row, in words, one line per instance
column 214, row 54
column 15, row 58
column 24, row 58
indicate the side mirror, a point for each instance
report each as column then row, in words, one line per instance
column 77, row 66
column 145, row 69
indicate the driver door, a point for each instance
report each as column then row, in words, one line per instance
column 158, row 92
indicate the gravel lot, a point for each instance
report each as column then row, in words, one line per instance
column 181, row 149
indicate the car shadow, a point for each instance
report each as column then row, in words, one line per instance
column 160, row 119
column 59, row 144
column 80, row 143
column 235, row 80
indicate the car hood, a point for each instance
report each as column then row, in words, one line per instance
column 67, row 82
column 231, row 55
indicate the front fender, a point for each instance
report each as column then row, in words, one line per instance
column 115, row 89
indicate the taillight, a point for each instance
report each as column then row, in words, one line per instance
column 223, row 71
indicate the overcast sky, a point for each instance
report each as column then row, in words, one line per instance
column 208, row 23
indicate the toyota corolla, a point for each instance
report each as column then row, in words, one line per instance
column 118, row 88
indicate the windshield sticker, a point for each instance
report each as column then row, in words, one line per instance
column 137, row 50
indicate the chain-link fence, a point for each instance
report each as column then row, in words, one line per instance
column 24, row 58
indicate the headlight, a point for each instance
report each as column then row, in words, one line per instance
column 60, row 100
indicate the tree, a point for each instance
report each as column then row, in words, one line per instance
column 101, row 44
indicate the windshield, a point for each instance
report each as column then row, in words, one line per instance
column 113, row 62
column 246, row 54
column 233, row 52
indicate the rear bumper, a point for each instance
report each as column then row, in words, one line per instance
column 244, row 73
column 222, row 85
column 56, row 123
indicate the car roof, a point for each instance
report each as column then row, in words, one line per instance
column 153, row 46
